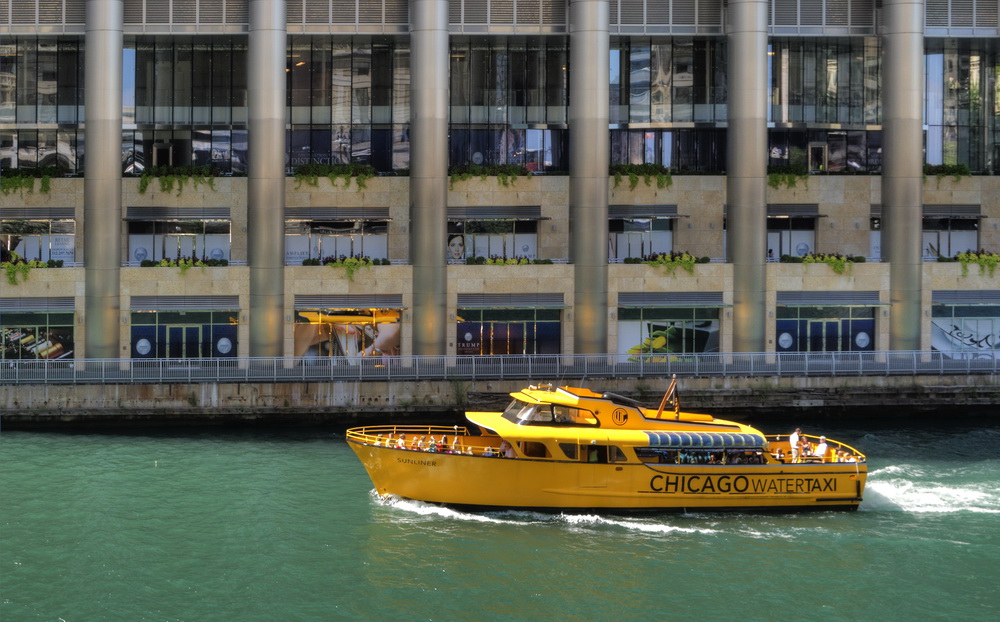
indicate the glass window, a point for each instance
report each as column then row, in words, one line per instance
column 825, row 329
column 507, row 239
column 639, row 237
column 502, row 82
column 185, row 334
column 959, row 100
column 791, row 236
column 329, row 240
column 152, row 241
column 487, row 332
column 946, row 237
column 39, row 239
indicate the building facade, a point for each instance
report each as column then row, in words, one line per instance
column 351, row 178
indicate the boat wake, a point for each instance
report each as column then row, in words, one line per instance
column 917, row 489
column 522, row 517
column 645, row 526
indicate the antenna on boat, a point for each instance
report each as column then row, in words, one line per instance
column 671, row 397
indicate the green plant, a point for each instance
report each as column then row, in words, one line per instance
column 506, row 174
column 349, row 264
column 648, row 172
column 787, row 176
column 987, row 261
column 309, row 174
column 496, row 260
column 17, row 268
column 184, row 263
column 23, row 179
column 838, row 263
column 170, row 177
column 955, row 171
column 459, row 392
column 671, row 261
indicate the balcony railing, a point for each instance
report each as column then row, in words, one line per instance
column 536, row 368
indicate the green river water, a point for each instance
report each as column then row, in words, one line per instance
column 280, row 524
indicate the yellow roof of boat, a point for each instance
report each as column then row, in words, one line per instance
column 601, row 417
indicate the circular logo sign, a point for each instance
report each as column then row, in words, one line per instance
column 224, row 345
column 619, row 416
column 785, row 340
column 862, row 340
column 143, row 347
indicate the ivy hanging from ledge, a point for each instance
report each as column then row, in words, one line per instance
column 648, row 172
column 506, row 174
column 309, row 174
column 170, row 177
column 23, row 179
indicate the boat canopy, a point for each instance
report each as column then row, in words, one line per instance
column 705, row 440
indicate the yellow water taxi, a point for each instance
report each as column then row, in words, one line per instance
column 573, row 449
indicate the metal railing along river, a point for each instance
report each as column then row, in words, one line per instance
column 538, row 367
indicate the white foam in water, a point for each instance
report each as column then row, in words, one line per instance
column 519, row 517
column 635, row 525
column 896, row 488
column 421, row 508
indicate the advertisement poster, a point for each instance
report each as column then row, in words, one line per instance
column 965, row 338
column 37, row 342
column 351, row 336
column 668, row 337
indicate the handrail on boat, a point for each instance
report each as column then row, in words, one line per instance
column 374, row 435
column 829, row 441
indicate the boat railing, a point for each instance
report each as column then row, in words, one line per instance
column 419, row 438
column 833, row 445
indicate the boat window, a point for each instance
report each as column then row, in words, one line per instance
column 570, row 449
column 562, row 414
column 513, row 410
column 596, row 453
column 523, row 413
column 532, row 449
column 615, row 454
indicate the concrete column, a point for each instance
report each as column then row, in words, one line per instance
column 902, row 166
column 429, row 173
column 266, row 176
column 588, row 159
column 102, row 188
column 746, row 181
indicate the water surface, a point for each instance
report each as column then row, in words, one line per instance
column 281, row 524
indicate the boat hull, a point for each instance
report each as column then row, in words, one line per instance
column 487, row 482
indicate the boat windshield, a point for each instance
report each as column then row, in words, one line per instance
column 523, row 413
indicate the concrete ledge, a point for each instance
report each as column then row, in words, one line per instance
column 350, row 403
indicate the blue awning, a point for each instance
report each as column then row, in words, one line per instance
column 706, row 440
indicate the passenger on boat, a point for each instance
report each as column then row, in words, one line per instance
column 821, row 449
column 779, row 455
column 507, row 451
column 401, row 442
column 805, row 449
column 378, row 441
column 489, row 453
column 793, row 442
